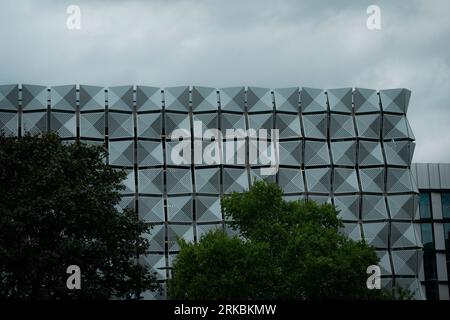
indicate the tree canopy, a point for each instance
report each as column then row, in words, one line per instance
column 286, row 250
column 58, row 207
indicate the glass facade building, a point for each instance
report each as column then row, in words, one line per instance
column 433, row 181
column 350, row 146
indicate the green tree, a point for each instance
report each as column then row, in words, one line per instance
column 298, row 252
column 58, row 208
column 220, row 267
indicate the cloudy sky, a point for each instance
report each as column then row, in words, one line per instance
column 222, row 43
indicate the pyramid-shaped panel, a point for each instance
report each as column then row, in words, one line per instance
column 148, row 98
column 235, row 180
column 374, row 207
column 287, row 99
column 120, row 125
column 150, row 181
column 177, row 98
column 208, row 209
column 204, row 99
column 376, row 234
column 370, row 153
column 288, row 126
column 207, row 180
column 341, row 126
column 121, row 153
column 65, row 124
column 149, row 153
column 149, row 125
column 92, row 125
column 313, row 100
column 9, row 123
column 316, row 153
column 259, row 99
column 318, row 180
column 9, row 95
column 179, row 209
column 291, row 180
column 368, row 125
column 178, row 181
column 340, row 99
column 372, row 180
column 151, row 209
column 34, row 97
column 290, row 153
column 232, row 99
column 348, row 207
column 315, row 126
column 344, row 152
column 34, row 122
column 395, row 100
column 120, row 98
column 92, row 98
column 366, row 100
column 63, row 97
column 345, row 180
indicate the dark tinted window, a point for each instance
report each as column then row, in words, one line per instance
column 425, row 205
column 445, row 198
column 427, row 235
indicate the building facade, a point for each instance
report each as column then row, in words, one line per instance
column 350, row 147
column 433, row 181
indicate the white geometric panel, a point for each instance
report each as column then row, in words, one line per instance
column 341, row 126
column 34, row 122
column 315, row 126
column 370, row 153
column 207, row 180
column 178, row 181
column 352, row 231
column 120, row 125
column 208, row 209
column 348, row 207
column 65, row 124
column 344, row 152
column 288, row 125
column 9, row 123
column 149, row 153
column 34, row 97
column 376, row 234
column 313, row 99
column 151, row 209
column 318, row 180
column 399, row 180
column 291, row 180
column 372, row 180
column 402, row 206
column 179, row 209
column 368, row 125
column 204, row 99
column 373, row 208
column 259, row 99
column 340, row 99
column 403, row 234
column 150, row 181
column 290, row 153
column 316, row 153
column 235, row 180
column 345, row 180
column 287, row 99
column 121, row 153
column 149, row 125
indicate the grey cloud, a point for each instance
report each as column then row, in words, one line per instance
column 222, row 43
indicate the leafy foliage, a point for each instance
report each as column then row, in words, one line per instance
column 288, row 250
column 58, row 208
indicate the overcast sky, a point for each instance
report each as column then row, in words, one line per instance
column 223, row 43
